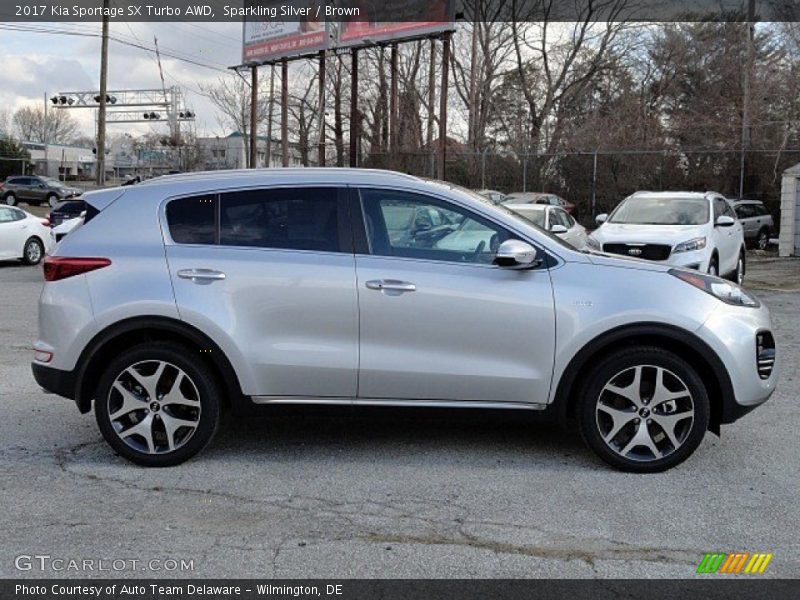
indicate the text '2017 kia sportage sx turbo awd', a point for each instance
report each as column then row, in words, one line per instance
column 189, row 293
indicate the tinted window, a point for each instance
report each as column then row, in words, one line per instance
column 291, row 218
column 193, row 220
column 399, row 224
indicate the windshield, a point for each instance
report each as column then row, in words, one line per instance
column 534, row 216
column 661, row 211
column 52, row 182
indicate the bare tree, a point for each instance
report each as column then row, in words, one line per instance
column 30, row 124
column 231, row 96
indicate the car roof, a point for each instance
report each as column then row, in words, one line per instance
column 530, row 194
column 745, row 201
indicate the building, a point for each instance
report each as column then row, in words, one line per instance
column 63, row 161
column 231, row 151
column 789, row 241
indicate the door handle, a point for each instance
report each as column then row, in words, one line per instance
column 201, row 274
column 391, row 285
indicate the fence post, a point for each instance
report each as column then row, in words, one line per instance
column 483, row 169
column 524, row 172
column 594, row 184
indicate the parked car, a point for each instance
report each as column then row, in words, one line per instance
column 693, row 230
column 493, row 195
column 58, row 232
column 247, row 288
column 554, row 219
column 35, row 189
column 64, row 211
column 756, row 222
column 23, row 236
column 540, row 198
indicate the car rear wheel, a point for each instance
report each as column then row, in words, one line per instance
column 643, row 410
column 157, row 405
column 11, row 199
column 763, row 239
column 32, row 251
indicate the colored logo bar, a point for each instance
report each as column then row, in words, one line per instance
column 735, row 563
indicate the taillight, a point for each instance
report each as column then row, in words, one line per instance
column 46, row 222
column 61, row 267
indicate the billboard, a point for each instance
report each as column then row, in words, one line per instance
column 270, row 40
column 409, row 19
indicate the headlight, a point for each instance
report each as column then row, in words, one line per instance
column 728, row 292
column 593, row 244
column 689, row 245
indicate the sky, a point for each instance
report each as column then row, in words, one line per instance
column 35, row 64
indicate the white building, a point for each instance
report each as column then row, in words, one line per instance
column 230, row 152
column 789, row 242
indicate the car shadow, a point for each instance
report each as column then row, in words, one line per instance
column 401, row 435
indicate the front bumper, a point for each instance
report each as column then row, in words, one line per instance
column 731, row 332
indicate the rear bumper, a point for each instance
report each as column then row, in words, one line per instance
column 55, row 381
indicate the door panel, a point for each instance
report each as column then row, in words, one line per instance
column 13, row 233
column 451, row 326
column 466, row 332
column 290, row 310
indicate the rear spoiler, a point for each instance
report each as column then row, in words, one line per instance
column 101, row 199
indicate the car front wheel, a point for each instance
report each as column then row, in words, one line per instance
column 52, row 200
column 157, row 405
column 643, row 410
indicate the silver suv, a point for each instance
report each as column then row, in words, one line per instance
column 189, row 294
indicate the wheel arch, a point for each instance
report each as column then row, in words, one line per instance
column 680, row 341
column 105, row 345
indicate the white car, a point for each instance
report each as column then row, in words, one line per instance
column 23, row 236
column 555, row 220
column 65, row 227
column 693, row 230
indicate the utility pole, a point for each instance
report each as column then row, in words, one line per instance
column 285, row 111
column 431, row 102
column 269, row 113
column 443, row 106
column 746, row 83
column 354, row 109
column 254, row 117
column 100, row 167
column 321, row 141
column 46, row 137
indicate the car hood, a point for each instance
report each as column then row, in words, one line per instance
column 646, row 234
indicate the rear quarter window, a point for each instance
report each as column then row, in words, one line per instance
column 192, row 220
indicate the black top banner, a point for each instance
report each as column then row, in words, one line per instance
column 372, row 11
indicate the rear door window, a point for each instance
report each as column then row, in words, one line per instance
column 287, row 218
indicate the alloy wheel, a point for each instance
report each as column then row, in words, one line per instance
column 763, row 240
column 33, row 252
column 154, row 407
column 645, row 413
column 11, row 199
column 740, row 271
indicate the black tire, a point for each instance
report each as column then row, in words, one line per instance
column 52, row 200
column 32, row 251
column 205, row 385
column 713, row 266
column 608, row 370
column 10, row 199
column 762, row 241
column 741, row 266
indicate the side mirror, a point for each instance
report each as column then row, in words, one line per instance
column 558, row 229
column 600, row 219
column 725, row 221
column 516, row 254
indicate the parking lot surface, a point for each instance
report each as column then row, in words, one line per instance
column 378, row 493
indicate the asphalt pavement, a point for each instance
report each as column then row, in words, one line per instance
column 389, row 493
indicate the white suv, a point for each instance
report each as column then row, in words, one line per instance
column 686, row 229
